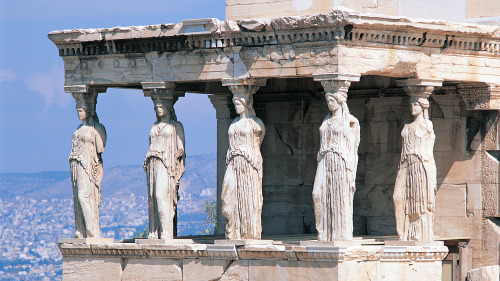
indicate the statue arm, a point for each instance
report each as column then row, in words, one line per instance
column 180, row 154
column 354, row 139
column 100, row 137
column 260, row 130
column 180, row 140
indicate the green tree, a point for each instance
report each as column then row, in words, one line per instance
column 211, row 217
column 142, row 234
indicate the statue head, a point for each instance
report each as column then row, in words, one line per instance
column 338, row 100
column 419, row 105
column 86, row 110
column 243, row 103
column 164, row 107
column 85, row 106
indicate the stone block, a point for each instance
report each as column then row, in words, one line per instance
column 451, row 200
column 490, row 200
column 381, row 168
column 201, row 269
column 449, row 135
column 474, row 199
column 152, row 269
column 316, row 111
column 485, row 273
column 272, row 143
column 309, row 168
column 366, row 270
column 452, row 227
column 374, row 200
column 299, row 138
column 292, row 270
column 288, row 210
column 381, row 225
column 431, row 271
column 282, row 170
column 82, row 268
column 457, row 168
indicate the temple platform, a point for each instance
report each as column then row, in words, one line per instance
column 284, row 257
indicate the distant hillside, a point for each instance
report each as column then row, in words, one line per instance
column 201, row 173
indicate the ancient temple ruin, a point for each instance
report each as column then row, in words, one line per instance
column 286, row 60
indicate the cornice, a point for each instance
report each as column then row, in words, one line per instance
column 480, row 96
column 338, row 26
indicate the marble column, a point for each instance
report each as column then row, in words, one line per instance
column 416, row 185
column 88, row 142
column 221, row 103
column 241, row 193
column 334, row 183
column 164, row 163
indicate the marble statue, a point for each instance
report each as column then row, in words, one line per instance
column 242, row 186
column 164, row 166
column 86, row 169
column 415, row 189
column 334, row 186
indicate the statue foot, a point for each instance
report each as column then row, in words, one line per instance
column 77, row 235
column 152, row 235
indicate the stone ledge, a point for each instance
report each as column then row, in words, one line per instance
column 308, row 252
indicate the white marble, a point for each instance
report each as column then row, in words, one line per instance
column 416, row 185
column 164, row 166
column 334, row 184
column 86, row 169
column 242, row 186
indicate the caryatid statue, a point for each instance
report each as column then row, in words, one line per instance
column 86, row 168
column 164, row 165
column 242, row 186
column 334, row 184
column 415, row 188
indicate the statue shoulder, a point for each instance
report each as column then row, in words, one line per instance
column 353, row 122
column 178, row 125
column 101, row 130
column 424, row 128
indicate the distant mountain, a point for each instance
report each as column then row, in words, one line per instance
column 201, row 174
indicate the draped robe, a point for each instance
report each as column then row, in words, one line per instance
column 242, row 186
column 164, row 166
column 334, row 184
column 86, row 177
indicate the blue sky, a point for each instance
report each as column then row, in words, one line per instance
column 37, row 118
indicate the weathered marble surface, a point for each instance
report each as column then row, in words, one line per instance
column 86, row 169
column 164, row 166
column 341, row 40
column 121, row 261
column 242, row 187
column 334, row 184
column 485, row 273
column 415, row 188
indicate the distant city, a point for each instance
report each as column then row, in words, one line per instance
column 36, row 209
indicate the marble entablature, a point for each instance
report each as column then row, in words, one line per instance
column 341, row 41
